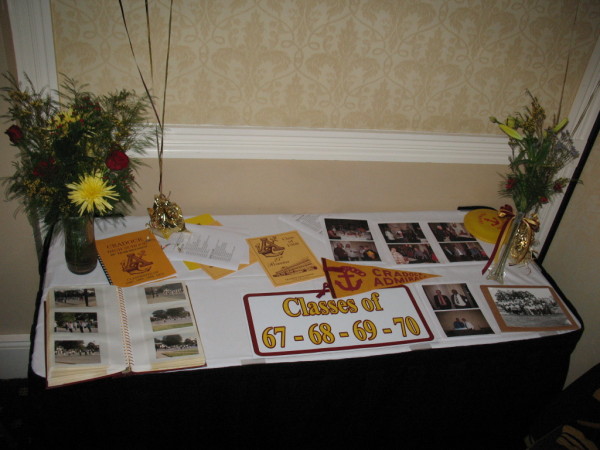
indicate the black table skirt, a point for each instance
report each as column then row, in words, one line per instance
column 410, row 400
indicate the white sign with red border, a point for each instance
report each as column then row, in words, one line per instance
column 285, row 323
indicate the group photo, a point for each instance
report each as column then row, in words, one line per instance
column 528, row 308
column 76, row 352
column 67, row 322
column 166, row 319
column 84, row 297
column 165, row 293
column 402, row 233
column 175, row 345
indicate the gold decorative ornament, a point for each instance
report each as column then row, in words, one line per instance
column 521, row 249
column 166, row 217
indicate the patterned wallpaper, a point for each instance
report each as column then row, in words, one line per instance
column 410, row 65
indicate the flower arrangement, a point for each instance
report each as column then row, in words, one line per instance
column 539, row 153
column 76, row 155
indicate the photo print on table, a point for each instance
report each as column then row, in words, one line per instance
column 76, row 352
column 407, row 243
column 351, row 240
column 170, row 318
column 528, row 308
column 75, row 322
column 75, row 298
column 170, row 292
column 456, row 310
column 176, row 345
column 457, row 243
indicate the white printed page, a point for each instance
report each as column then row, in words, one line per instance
column 309, row 223
column 213, row 246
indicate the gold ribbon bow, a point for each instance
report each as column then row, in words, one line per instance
column 166, row 217
column 521, row 248
column 523, row 240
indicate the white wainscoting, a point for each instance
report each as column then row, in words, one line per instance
column 214, row 142
column 14, row 354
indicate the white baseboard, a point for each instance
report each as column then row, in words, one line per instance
column 14, row 354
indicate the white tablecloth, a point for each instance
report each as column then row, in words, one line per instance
column 218, row 304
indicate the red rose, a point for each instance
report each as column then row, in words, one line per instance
column 44, row 168
column 510, row 183
column 117, row 160
column 543, row 200
column 15, row 134
column 558, row 187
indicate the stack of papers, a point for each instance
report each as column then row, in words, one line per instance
column 215, row 246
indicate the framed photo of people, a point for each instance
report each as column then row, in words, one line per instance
column 528, row 308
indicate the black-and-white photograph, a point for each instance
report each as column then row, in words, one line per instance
column 76, row 352
column 527, row 308
column 77, row 298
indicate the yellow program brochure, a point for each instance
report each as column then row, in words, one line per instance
column 286, row 258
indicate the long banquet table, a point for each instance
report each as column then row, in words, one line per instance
column 450, row 391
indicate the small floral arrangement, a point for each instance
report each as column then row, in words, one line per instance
column 75, row 155
column 539, row 153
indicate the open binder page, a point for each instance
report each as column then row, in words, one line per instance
column 162, row 328
column 83, row 334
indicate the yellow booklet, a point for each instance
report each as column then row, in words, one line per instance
column 286, row 258
column 98, row 331
column 133, row 258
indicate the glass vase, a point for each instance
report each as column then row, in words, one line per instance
column 507, row 252
column 80, row 244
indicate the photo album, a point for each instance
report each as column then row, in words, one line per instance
column 100, row 331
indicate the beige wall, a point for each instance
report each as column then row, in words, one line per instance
column 425, row 66
column 572, row 261
column 263, row 187
column 416, row 65
column 18, row 263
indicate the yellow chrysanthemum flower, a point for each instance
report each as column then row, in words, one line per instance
column 91, row 193
column 65, row 117
column 62, row 120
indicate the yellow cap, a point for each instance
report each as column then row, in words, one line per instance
column 484, row 224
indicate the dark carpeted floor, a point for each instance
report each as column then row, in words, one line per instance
column 16, row 427
column 576, row 409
